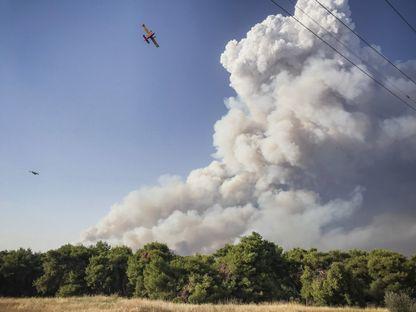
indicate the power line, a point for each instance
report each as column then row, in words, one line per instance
column 343, row 56
column 366, row 42
column 401, row 16
column 345, row 46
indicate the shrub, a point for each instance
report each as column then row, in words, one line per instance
column 399, row 302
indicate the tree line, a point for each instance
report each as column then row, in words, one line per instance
column 253, row 270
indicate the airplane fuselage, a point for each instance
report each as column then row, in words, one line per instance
column 149, row 36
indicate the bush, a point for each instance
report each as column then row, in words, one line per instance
column 399, row 302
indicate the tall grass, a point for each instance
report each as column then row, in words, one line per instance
column 117, row 304
column 399, row 302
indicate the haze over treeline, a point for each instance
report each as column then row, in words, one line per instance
column 253, row 270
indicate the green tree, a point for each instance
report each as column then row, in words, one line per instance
column 315, row 264
column 119, row 257
column 321, row 261
column 106, row 271
column 308, row 280
column 18, row 270
column 202, row 289
column 72, row 284
column 337, row 286
column 253, row 270
column 388, row 271
column 197, row 279
column 295, row 259
column 2, row 279
column 158, row 279
column 331, row 287
column 99, row 274
column 64, row 271
column 140, row 260
column 357, row 265
column 411, row 282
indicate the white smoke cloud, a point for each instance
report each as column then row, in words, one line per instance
column 310, row 153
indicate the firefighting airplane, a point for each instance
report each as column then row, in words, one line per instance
column 150, row 35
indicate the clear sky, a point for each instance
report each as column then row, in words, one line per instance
column 99, row 112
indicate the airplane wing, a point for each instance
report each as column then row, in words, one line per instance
column 155, row 42
column 147, row 31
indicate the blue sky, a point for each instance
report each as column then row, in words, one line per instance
column 99, row 113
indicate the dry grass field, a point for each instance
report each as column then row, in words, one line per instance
column 116, row 304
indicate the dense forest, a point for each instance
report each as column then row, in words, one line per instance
column 253, row 270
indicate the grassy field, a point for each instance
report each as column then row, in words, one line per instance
column 116, row 304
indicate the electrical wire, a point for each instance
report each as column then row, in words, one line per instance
column 367, row 43
column 346, row 46
column 401, row 15
column 346, row 58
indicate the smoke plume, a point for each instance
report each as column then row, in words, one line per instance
column 311, row 152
